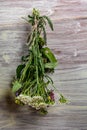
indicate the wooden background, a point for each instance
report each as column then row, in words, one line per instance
column 69, row 44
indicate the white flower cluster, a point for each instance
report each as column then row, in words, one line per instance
column 36, row 102
column 24, row 99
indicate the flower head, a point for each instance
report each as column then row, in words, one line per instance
column 36, row 102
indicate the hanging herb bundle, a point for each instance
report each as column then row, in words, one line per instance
column 32, row 76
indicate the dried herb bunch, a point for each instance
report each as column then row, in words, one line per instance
column 32, row 76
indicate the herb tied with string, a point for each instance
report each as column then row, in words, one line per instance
column 32, row 76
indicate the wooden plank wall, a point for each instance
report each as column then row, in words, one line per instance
column 69, row 44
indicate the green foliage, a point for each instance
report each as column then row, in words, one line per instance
column 44, row 35
column 19, row 70
column 62, row 99
column 49, row 55
column 16, row 86
column 49, row 22
column 43, row 111
column 32, row 75
column 51, row 65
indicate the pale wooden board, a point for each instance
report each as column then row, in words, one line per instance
column 69, row 44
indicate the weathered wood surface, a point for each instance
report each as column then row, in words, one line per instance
column 68, row 42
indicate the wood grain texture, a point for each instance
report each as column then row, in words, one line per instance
column 69, row 44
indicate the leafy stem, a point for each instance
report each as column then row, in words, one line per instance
column 32, row 76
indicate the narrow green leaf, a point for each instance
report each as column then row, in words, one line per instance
column 41, row 66
column 44, row 35
column 29, row 36
column 49, row 79
column 29, row 16
column 49, row 22
column 19, row 70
